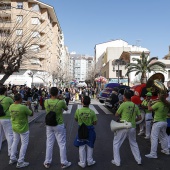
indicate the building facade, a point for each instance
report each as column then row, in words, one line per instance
column 82, row 66
column 107, row 61
column 34, row 25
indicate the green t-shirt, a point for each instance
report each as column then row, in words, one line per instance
column 6, row 102
column 126, row 111
column 57, row 106
column 161, row 112
column 145, row 103
column 19, row 117
column 85, row 115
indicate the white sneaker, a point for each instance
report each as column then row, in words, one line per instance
column 83, row 165
column 92, row 163
column 11, row 162
column 151, row 156
column 139, row 163
column 113, row 162
column 63, row 166
column 165, row 152
column 140, row 133
column 147, row 137
column 22, row 164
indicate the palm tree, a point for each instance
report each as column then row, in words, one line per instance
column 143, row 66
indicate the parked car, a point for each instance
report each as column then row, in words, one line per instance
column 114, row 102
column 105, row 93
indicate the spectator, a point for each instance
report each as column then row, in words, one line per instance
column 19, row 118
column 67, row 96
column 5, row 122
column 57, row 132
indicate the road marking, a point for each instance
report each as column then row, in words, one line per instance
column 69, row 110
column 93, row 108
column 105, row 109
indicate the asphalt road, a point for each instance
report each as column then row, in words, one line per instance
column 103, row 151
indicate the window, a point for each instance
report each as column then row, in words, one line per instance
column 4, row 33
column 19, row 18
column 35, row 61
column 35, row 7
column 35, row 21
column 18, row 45
column 20, row 5
column 35, row 47
column 19, row 32
column 35, row 34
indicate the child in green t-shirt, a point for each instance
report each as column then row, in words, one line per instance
column 88, row 117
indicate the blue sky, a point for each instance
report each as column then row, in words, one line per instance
column 86, row 23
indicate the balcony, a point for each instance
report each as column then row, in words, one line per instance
column 4, row 32
column 6, row 1
column 42, row 19
column 42, row 32
column 6, row 25
column 41, row 57
column 5, row 6
column 42, row 44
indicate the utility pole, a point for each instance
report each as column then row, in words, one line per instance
column 118, row 70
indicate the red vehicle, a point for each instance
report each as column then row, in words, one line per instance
column 139, row 93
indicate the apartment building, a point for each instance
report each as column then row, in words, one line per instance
column 107, row 63
column 82, row 66
column 35, row 25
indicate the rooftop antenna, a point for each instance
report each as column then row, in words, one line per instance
column 138, row 43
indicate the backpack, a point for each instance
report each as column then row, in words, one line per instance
column 50, row 118
column 83, row 132
column 67, row 95
column 2, row 113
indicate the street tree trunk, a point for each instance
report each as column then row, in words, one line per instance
column 143, row 78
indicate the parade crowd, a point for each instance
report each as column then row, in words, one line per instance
column 14, row 123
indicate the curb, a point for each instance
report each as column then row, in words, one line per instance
column 37, row 117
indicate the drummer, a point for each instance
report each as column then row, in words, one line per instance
column 148, row 115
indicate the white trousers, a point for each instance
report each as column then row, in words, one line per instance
column 159, row 132
column 6, row 129
column 148, row 119
column 142, row 126
column 24, row 143
column 168, row 141
column 82, row 154
column 119, row 137
column 59, row 133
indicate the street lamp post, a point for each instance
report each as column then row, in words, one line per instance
column 118, row 62
column 118, row 70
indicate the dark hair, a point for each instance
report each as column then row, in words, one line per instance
column 54, row 91
column 66, row 90
column 115, row 89
column 128, row 95
column 162, row 98
column 86, row 100
column 2, row 90
column 17, row 97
